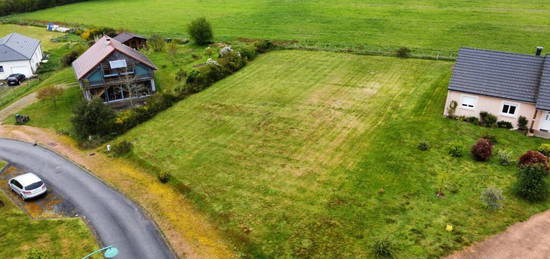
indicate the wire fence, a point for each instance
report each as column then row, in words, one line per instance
column 371, row 50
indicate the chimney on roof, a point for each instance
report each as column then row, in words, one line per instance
column 107, row 42
column 539, row 51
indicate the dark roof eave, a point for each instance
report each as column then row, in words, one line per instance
column 495, row 96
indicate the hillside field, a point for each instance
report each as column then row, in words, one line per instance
column 508, row 25
column 315, row 153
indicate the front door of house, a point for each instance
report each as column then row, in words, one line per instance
column 545, row 122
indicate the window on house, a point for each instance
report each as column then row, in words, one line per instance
column 117, row 64
column 1, row 69
column 468, row 102
column 509, row 109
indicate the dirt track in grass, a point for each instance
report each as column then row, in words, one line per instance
column 527, row 239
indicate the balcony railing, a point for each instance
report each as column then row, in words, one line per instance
column 117, row 80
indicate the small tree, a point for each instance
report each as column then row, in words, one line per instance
column 93, row 118
column 482, row 150
column 531, row 184
column 50, row 93
column 200, row 31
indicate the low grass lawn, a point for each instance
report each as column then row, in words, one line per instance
column 62, row 78
column 39, row 33
column 510, row 25
column 57, row 238
column 312, row 153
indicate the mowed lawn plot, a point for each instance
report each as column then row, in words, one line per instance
column 315, row 154
column 512, row 25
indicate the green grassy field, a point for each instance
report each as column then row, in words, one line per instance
column 58, row 238
column 511, row 25
column 39, row 33
column 289, row 157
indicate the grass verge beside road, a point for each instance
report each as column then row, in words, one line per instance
column 187, row 231
column 56, row 238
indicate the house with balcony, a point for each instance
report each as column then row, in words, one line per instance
column 118, row 74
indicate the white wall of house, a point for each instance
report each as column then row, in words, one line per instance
column 26, row 67
column 472, row 104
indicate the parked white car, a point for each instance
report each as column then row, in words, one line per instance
column 28, row 185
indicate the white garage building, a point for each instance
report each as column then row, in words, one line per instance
column 19, row 54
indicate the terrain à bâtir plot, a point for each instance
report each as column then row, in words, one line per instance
column 314, row 153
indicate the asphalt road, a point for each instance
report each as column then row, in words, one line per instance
column 116, row 220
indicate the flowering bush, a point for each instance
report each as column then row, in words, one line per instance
column 533, row 158
column 482, row 150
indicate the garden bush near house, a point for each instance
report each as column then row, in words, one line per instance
column 403, row 52
column 423, row 146
column 473, row 120
column 504, row 158
column 200, row 31
column 492, row 198
column 93, row 118
column 488, row 120
column 482, row 150
column 544, row 149
column 533, row 158
column 531, row 184
column 505, row 125
column 522, row 123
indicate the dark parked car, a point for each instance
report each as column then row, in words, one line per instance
column 15, row 79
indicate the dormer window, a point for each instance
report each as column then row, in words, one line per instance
column 115, row 64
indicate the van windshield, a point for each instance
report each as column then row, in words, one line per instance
column 33, row 186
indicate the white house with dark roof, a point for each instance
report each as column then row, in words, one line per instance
column 507, row 85
column 19, row 54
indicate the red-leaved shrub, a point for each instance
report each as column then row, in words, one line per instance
column 482, row 150
column 533, row 158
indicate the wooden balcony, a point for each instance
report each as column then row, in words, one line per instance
column 116, row 79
